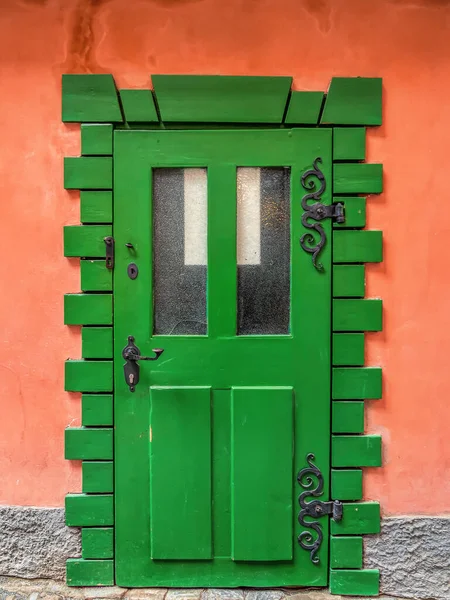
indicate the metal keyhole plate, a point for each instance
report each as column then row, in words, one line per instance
column 132, row 271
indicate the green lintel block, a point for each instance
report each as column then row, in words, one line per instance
column 88, row 376
column 346, row 552
column 357, row 178
column 355, row 212
column 348, row 349
column 97, row 542
column 357, row 383
column 356, row 451
column 96, row 207
column 357, row 315
column 138, row 106
column 96, row 140
column 348, row 417
column 304, row 108
column 359, row 518
column 349, row 281
column 353, row 101
column 349, row 143
column 89, row 443
column 346, row 484
column 84, row 573
column 98, row 477
column 86, row 510
column 86, row 240
column 355, row 582
column 96, row 410
column 97, row 342
column 88, row 309
column 221, row 99
column 357, row 246
column 95, row 277
column 90, row 99
column 88, row 173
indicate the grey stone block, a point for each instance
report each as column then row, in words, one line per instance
column 35, row 542
column 413, row 555
column 222, row 594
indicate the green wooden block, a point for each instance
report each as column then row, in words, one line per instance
column 221, row 99
column 348, row 349
column 356, row 451
column 88, row 443
column 95, row 277
column 86, row 240
column 98, row 477
column 346, row 552
column 355, row 582
column 304, row 108
column 353, row 101
column 355, row 212
column 357, row 315
column 96, row 140
column 138, row 106
column 88, row 376
column 96, row 409
column 88, row 309
column 97, row 342
column 349, row 143
column 86, row 510
column 357, row 383
column 348, row 417
column 346, row 484
column 96, row 207
column 357, row 246
column 90, row 99
column 358, row 519
column 356, row 178
column 97, row 542
column 349, row 281
column 88, row 173
column 81, row 572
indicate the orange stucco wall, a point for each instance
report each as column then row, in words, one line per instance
column 405, row 42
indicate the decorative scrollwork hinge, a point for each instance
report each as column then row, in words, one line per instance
column 314, row 180
column 314, row 509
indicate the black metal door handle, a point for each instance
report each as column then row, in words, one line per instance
column 132, row 355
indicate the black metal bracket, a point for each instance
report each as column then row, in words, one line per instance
column 132, row 354
column 314, row 180
column 314, row 508
column 109, row 242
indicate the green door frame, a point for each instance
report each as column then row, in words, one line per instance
column 222, row 102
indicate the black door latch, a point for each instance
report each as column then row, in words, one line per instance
column 132, row 354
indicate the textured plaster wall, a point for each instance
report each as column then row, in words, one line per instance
column 405, row 42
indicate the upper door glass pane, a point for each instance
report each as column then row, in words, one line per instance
column 263, row 250
column 179, row 251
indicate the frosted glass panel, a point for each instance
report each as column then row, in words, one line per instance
column 263, row 249
column 179, row 251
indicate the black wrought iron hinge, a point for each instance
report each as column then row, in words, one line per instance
column 109, row 243
column 311, row 480
column 314, row 180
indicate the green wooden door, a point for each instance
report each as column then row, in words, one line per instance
column 208, row 446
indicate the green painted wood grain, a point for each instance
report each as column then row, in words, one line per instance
column 356, row 451
column 88, row 376
column 89, row 510
column 355, row 212
column 97, row 342
column 90, row 99
column 348, row 349
column 354, row 582
column 346, row 552
column 95, row 277
column 97, row 542
column 97, row 477
column 347, row 417
column 88, row 173
column 80, row 572
column 357, row 315
column 357, row 246
column 353, row 101
column 96, row 140
column 349, row 143
column 96, row 207
column 138, row 106
column 357, row 383
column 88, row 443
column 304, row 108
column 349, row 281
column 96, row 409
column 346, row 484
column 358, row 519
column 357, row 178
column 88, row 309
column 86, row 240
